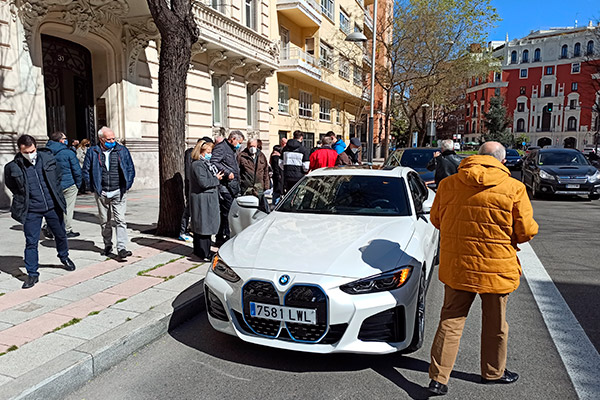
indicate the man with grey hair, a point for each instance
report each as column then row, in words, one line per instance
column 224, row 158
column 493, row 149
column 108, row 170
column 444, row 163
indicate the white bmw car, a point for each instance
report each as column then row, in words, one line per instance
column 341, row 265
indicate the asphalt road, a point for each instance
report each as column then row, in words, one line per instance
column 196, row 362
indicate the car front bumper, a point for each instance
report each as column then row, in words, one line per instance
column 354, row 322
column 582, row 189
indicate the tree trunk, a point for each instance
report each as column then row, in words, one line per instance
column 386, row 135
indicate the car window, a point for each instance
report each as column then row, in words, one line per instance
column 418, row 191
column 512, row 152
column 416, row 158
column 348, row 195
column 394, row 159
column 562, row 158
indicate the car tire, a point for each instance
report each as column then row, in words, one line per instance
column 419, row 329
column 595, row 196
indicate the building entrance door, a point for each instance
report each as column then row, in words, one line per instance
column 546, row 118
column 68, row 87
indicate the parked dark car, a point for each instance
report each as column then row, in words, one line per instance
column 560, row 172
column 415, row 158
column 513, row 159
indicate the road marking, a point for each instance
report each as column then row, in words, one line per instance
column 580, row 357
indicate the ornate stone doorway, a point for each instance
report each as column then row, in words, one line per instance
column 68, row 86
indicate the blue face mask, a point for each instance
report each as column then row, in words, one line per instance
column 110, row 145
column 237, row 146
column 207, row 156
column 65, row 141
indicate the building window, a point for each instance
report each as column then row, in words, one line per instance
column 537, row 55
column 521, row 125
column 344, row 68
column 525, row 56
column 326, row 56
column 564, row 51
column 549, row 70
column 548, row 90
column 482, row 109
column 468, row 111
column 575, row 68
column 250, row 13
column 217, row 5
column 497, row 92
column 513, row 57
column 284, row 99
column 474, row 127
column 574, row 86
column 219, row 98
column 305, row 104
column 327, row 8
column 590, row 48
column 251, row 108
column 577, row 50
column 520, row 107
column 325, row 110
column 572, row 124
column 476, row 81
column 338, row 114
column 474, row 111
column 523, row 73
column 345, row 24
column 357, row 75
column 572, row 104
column 523, row 90
column 498, row 77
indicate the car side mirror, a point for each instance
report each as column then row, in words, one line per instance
column 248, row 201
column 428, row 203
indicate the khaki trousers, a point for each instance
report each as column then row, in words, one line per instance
column 109, row 210
column 494, row 334
column 70, row 195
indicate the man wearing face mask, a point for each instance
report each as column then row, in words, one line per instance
column 109, row 172
column 34, row 179
column 224, row 158
column 254, row 170
column 350, row 156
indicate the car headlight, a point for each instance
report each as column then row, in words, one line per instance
column 594, row 178
column 223, row 270
column 379, row 283
column 545, row 175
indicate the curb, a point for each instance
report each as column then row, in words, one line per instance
column 68, row 372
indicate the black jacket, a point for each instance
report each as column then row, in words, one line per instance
column 444, row 165
column 16, row 181
column 224, row 159
column 92, row 168
column 295, row 160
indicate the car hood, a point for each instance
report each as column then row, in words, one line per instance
column 569, row 170
column 335, row 245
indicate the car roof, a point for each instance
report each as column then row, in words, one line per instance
column 558, row 149
column 362, row 171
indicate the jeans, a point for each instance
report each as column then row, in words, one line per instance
column 109, row 210
column 185, row 218
column 32, row 228
column 70, row 194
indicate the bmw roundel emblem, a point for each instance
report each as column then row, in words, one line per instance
column 284, row 279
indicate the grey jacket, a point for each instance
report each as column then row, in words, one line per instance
column 204, row 199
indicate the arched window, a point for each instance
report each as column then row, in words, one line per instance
column 577, row 50
column 466, row 130
column 474, row 126
column 572, row 124
column 525, row 56
column 521, row 125
column 564, row 51
column 590, row 48
column 537, row 55
column 513, row 57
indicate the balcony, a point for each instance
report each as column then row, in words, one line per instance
column 304, row 13
column 296, row 62
column 368, row 22
column 218, row 32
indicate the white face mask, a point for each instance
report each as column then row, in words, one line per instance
column 253, row 150
column 31, row 157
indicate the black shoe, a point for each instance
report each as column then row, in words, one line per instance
column 69, row 265
column 30, row 282
column 107, row 251
column 123, row 253
column 507, row 377
column 437, row 389
column 72, row 234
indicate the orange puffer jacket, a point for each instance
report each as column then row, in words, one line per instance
column 482, row 214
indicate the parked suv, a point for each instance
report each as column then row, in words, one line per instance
column 561, row 172
column 415, row 158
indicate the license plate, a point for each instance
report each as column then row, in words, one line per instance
column 572, row 186
column 282, row 313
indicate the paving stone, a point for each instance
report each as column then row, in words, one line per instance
column 87, row 273
column 26, row 311
column 145, row 300
column 36, row 353
column 111, row 317
column 9, row 300
column 134, row 286
column 200, row 270
column 179, row 283
column 81, row 308
column 122, row 274
column 171, row 269
column 82, row 290
column 3, row 326
column 5, row 379
column 34, row 328
column 86, row 329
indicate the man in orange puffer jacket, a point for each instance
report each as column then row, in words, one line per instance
column 482, row 214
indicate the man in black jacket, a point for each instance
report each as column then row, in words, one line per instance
column 34, row 179
column 224, row 158
column 444, row 163
column 295, row 161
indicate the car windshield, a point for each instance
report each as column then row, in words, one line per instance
column 348, row 195
column 512, row 152
column 562, row 158
column 413, row 158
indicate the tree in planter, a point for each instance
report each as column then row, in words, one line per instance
column 178, row 32
column 496, row 123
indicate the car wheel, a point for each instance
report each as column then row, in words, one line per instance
column 595, row 196
column 419, row 330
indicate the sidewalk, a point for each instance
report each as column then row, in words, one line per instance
column 71, row 326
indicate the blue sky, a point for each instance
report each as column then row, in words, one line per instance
column 521, row 16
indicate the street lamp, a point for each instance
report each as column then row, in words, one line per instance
column 360, row 37
column 431, row 121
